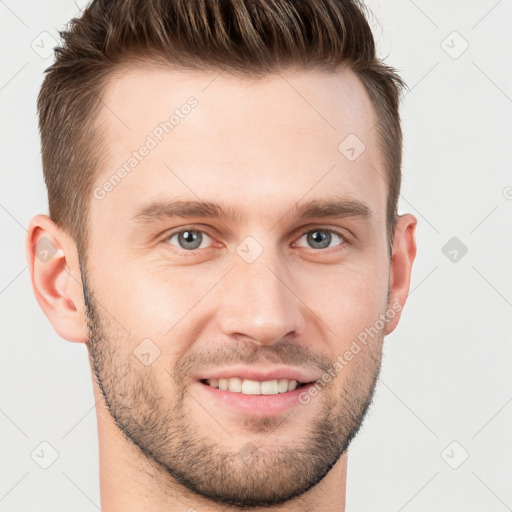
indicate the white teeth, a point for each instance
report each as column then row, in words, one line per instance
column 292, row 385
column 269, row 387
column 235, row 385
column 282, row 385
column 253, row 387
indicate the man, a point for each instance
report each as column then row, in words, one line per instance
column 223, row 235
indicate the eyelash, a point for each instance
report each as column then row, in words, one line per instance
column 191, row 252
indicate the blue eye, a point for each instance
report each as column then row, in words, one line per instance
column 322, row 238
column 189, row 239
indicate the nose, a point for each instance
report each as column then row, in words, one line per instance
column 259, row 305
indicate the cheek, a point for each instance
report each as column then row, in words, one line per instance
column 160, row 302
column 347, row 298
column 139, row 292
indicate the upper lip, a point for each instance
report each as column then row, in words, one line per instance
column 260, row 373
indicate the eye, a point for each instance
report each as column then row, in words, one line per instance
column 188, row 239
column 322, row 238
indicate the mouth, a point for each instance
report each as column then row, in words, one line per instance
column 256, row 391
column 254, row 387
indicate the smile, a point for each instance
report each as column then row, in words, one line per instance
column 254, row 387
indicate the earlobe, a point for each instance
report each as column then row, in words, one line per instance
column 404, row 252
column 55, row 277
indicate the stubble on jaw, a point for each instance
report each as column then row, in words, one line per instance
column 268, row 475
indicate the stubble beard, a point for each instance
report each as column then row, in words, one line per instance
column 247, row 475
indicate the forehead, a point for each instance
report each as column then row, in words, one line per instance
column 253, row 142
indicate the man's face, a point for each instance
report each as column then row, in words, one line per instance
column 264, row 295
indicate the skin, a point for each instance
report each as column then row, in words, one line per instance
column 259, row 146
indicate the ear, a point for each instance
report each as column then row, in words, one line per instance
column 55, row 276
column 404, row 252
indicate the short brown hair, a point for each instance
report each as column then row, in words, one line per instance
column 248, row 38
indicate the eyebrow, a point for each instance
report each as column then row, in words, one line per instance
column 335, row 208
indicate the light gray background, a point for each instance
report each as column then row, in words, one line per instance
column 447, row 368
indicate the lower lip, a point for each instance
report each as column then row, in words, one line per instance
column 255, row 405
